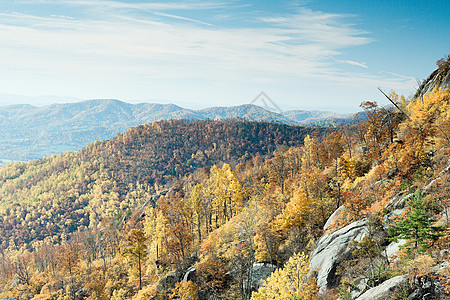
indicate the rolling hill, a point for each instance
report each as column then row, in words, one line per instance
column 28, row 132
column 106, row 178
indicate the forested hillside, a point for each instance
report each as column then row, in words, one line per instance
column 60, row 194
column 28, row 132
column 351, row 213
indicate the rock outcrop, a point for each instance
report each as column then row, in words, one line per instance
column 332, row 249
column 359, row 286
column 385, row 290
column 152, row 200
column 190, row 274
column 332, row 219
column 167, row 282
column 440, row 78
column 260, row 272
column 392, row 250
column 396, row 206
column 398, row 201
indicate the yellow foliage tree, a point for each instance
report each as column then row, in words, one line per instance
column 426, row 129
column 135, row 249
column 295, row 212
column 155, row 230
column 185, row 290
column 294, row 281
column 225, row 191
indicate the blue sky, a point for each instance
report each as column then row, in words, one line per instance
column 328, row 55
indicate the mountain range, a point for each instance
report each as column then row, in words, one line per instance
column 28, row 132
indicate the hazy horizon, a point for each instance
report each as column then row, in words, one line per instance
column 324, row 55
column 43, row 101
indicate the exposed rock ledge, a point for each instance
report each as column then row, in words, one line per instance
column 332, row 249
column 384, row 291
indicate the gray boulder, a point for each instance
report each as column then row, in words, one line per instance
column 332, row 249
column 361, row 149
column 384, row 291
column 360, row 285
column 393, row 172
column 393, row 248
column 398, row 202
column 260, row 272
column 189, row 275
column 167, row 282
column 333, row 217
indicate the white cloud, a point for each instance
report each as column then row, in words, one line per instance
column 398, row 75
column 166, row 5
column 128, row 52
column 181, row 18
column 293, row 49
column 355, row 63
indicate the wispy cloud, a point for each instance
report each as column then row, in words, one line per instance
column 355, row 63
column 166, row 5
column 157, row 41
column 295, row 44
column 181, row 18
column 397, row 75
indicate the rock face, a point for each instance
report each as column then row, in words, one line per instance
column 189, row 275
column 332, row 249
column 393, row 248
column 445, row 84
column 439, row 78
column 360, row 284
column 398, row 201
column 432, row 286
column 396, row 206
column 167, row 282
column 260, row 272
column 384, row 291
column 333, row 217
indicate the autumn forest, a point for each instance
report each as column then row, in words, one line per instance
column 188, row 209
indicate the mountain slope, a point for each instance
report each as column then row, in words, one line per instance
column 369, row 204
column 28, row 132
column 247, row 112
column 105, row 179
column 307, row 117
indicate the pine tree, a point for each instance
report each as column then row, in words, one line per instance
column 417, row 227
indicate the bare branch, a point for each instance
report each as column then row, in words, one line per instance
column 395, row 104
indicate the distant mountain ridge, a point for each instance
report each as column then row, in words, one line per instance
column 28, row 132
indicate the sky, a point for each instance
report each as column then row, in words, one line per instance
column 312, row 54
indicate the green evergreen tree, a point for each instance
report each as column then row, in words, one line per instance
column 417, row 227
